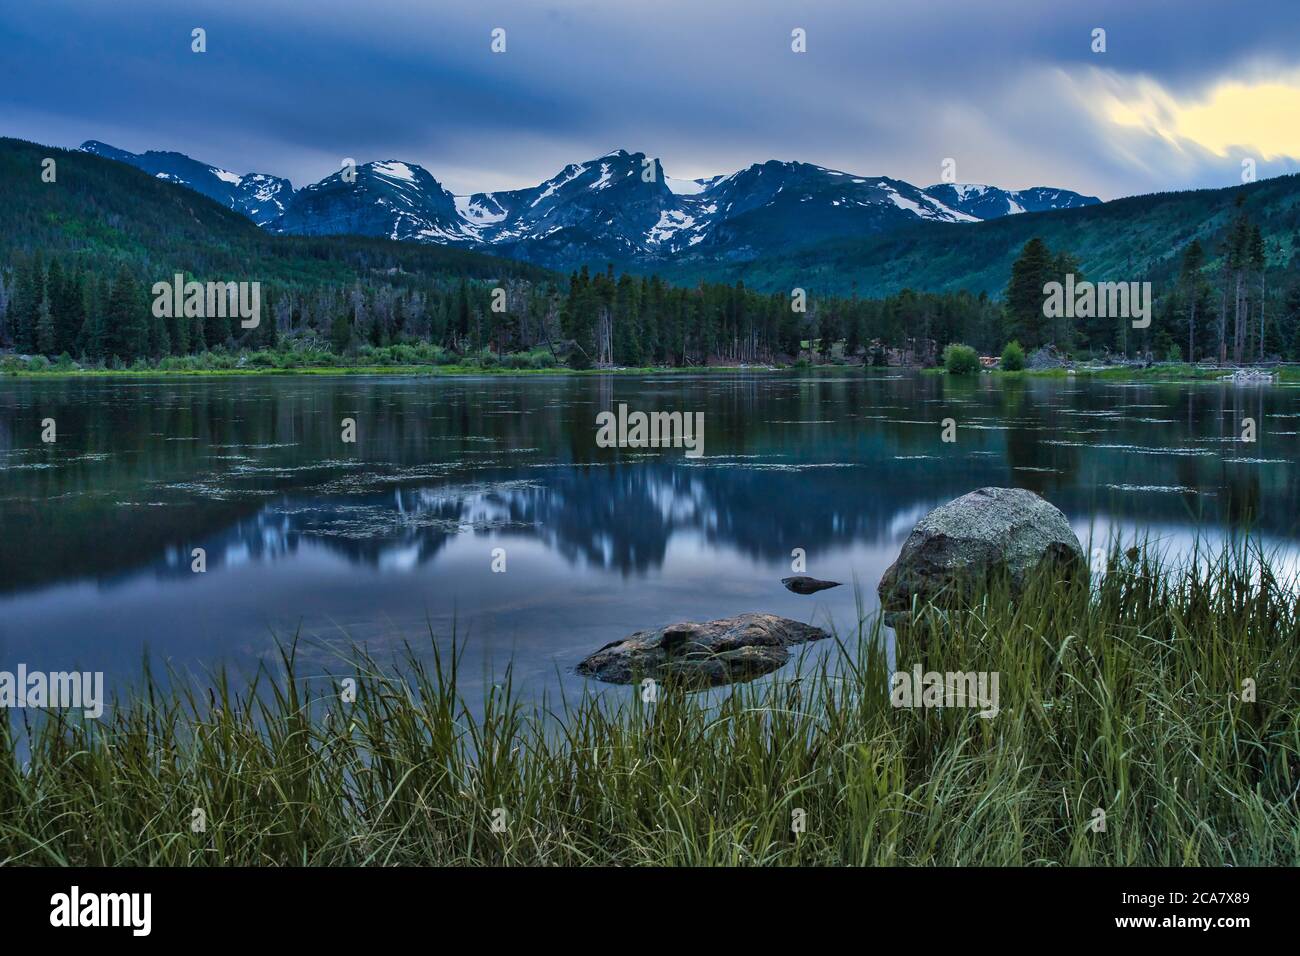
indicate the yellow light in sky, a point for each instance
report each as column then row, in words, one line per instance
column 1260, row 117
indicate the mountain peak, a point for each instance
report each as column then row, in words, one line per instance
column 259, row 196
column 611, row 208
column 992, row 202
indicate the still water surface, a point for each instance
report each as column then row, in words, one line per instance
column 377, row 541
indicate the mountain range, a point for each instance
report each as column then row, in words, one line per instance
column 260, row 197
column 620, row 208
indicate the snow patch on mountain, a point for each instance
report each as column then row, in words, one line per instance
column 395, row 170
column 689, row 187
column 618, row 207
column 480, row 209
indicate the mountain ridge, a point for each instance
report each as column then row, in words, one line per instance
column 620, row 207
column 259, row 196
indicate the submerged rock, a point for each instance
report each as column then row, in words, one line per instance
column 961, row 545
column 802, row 584
column 706, row 654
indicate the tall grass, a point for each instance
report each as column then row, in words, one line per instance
column 1123, row 696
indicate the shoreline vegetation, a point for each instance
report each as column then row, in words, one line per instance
column 1146, row 718
column 113, row 275
column 438, row 362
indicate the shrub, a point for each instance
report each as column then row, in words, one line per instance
column 1013, row 357
column 961, row 360
column 538, row 358
column 516, row 360
column 404, row 354
column 217, row 359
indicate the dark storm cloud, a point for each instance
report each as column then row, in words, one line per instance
column 1008, row 89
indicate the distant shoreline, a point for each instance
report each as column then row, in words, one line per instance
column 1176, row 372
column 430, row 371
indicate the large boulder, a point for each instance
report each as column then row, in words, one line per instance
column 705, row 655
column 964, row 544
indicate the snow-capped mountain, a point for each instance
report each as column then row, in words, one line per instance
column 609, row 207
column 389, row 198
column 618, row 207
column 990, row 202
column 621, row 206
column 779, row 204
column 260, row 197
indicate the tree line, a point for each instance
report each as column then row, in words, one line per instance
column 1223, row 303
column 1218, row 306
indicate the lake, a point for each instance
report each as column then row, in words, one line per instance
column 377, row 540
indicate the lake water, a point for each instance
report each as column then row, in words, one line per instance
column 376, row 540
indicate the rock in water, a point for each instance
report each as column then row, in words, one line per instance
column 802, row 584
column 960, row 545
column 704, row 655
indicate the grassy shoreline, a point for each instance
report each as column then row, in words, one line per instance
column 1126, row 697
column 1156, row 373
column 417, row 370
column 1162, row 373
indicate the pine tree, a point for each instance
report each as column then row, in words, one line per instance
column 216, row 330
column 1292, row 307
column 1191, row 287
column 340, row 333
column 127, row 319
column 1259, row 263
column 1059, row 330
column 627, row 339
column 1023, row 300
column 46, row 338
column 72, row 311
column 578, row 319
column 28, row 295
column 94, row 340
column 181, row 334
column 55, row 303
column 6, row 295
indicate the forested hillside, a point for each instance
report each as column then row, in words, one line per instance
column 1141, row 237
column 79, row 257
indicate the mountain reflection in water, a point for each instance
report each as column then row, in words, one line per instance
column 380, row 540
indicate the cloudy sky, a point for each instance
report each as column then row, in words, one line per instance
column 1010, row 89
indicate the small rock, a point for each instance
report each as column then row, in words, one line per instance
column 802, row 584
column 705, row 654
column 961, row 544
